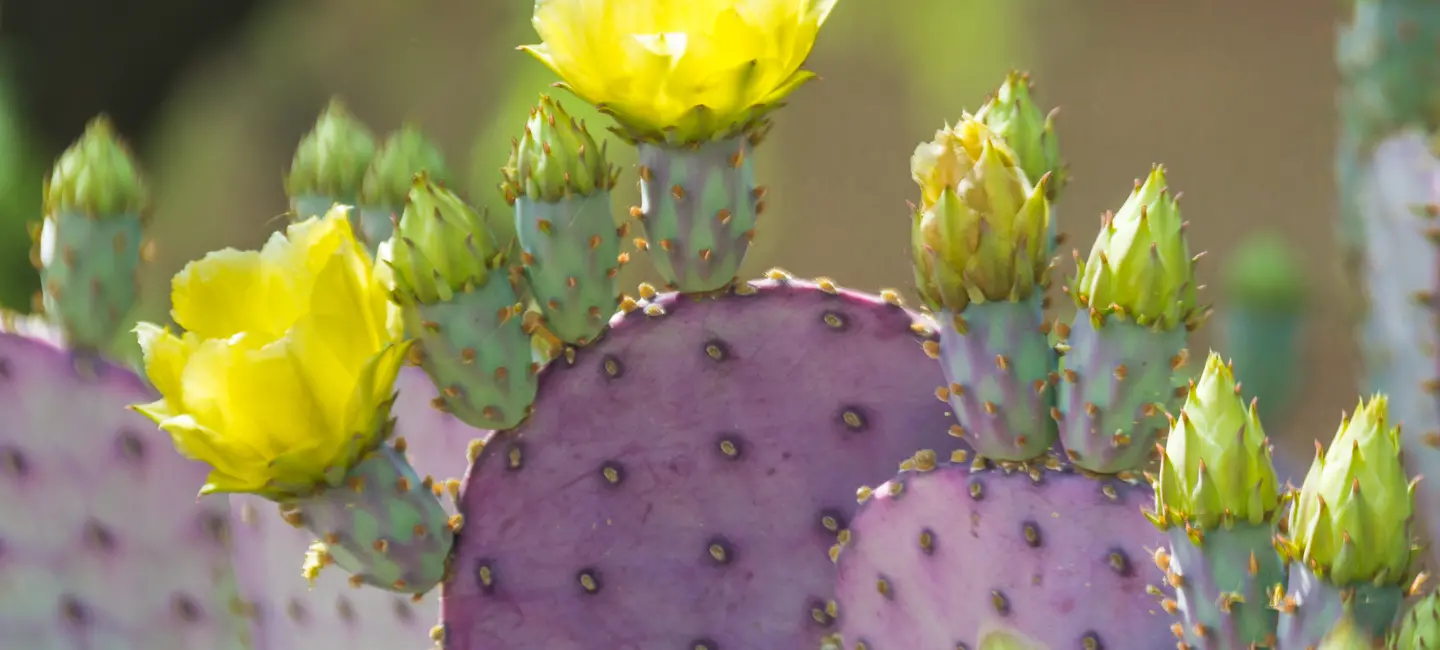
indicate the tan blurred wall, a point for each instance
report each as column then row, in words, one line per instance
column 1234, row 97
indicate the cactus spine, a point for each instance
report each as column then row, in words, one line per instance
column 558, row 181
column 89, row 246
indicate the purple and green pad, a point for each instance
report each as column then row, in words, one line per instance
column 476, row 348
column 681, row 482
column 699, row 207
column 571, row 260
column 1117, row 382
column 383, row 524
column 103, row 543
column 331, row 612
column 962, row 556
column 1311, row 608
column 998, row 366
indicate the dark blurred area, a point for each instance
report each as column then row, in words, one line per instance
column 1236, row 97
column 72, row 59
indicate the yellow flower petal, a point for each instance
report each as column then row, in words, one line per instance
column 650, row 63
column 164, row 355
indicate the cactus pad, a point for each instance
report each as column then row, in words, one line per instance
column 104, row 543
column 682, row 480
column 960, row 556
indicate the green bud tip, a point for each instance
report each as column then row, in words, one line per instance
column 97, row 175
column 1264, row 274
column 555, row 158
column 1012, row 113
column 1215, row 466
column 1140, row 267
column 405, row 153
column 981, row 231
column 442, row 245
column 332, row 158
column 1351, row 521
column 1420, row 626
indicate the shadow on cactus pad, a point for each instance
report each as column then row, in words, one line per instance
column 681, row 481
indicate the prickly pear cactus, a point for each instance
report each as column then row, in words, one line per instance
column 105, row 544
column 1350, row 544
column 330, row 164
column 1218, row 499
column 721, row 434
column 88, row 248
column 387, row 181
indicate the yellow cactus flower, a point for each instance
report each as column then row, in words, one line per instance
column 679, row 70
column 286, row 369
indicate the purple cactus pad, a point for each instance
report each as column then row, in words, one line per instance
column 680, row 484
column 103, row 543
column 946, row 558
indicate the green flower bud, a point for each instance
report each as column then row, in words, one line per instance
column 1140, row 267
column 442, row 246
column 332, row 158
column 555, row 158
column 96, row 176
column 1420, row 627
column 1013, row 115
column 1351, row 522
column 1264, row 274
column 1215, row 468
column 1346, row 635
column 391, row 175
column 981, row 232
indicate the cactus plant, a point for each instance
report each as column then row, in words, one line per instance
column 1263, row 319
column 1218, row 499
column 387, row 181
column 681, row 473
column 330, row 164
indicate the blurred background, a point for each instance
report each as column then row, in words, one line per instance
column 1234, row 96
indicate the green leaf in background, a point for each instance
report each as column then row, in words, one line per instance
column 21, row 171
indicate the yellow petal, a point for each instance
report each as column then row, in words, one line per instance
column 376, row 386
column 164, row 356
column 197, row 442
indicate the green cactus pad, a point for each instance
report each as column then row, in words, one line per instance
column 1314, row 612
column 981, row 231
column 89, row 246
column 1352, row 518
column 97, row 176
column 997, row 361
column 1264, row 274
column 329, row 165
column 383, row 524
column 1215, row 469
column 1013, row 115
column 476, row 349
column 390, row 177
column 1226, row 577
column 1420, row 627
column 442, row 246
column 698, row 211
column 571, row 260
column 556, row 158
column 1140, row 267
column 1118, row 380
